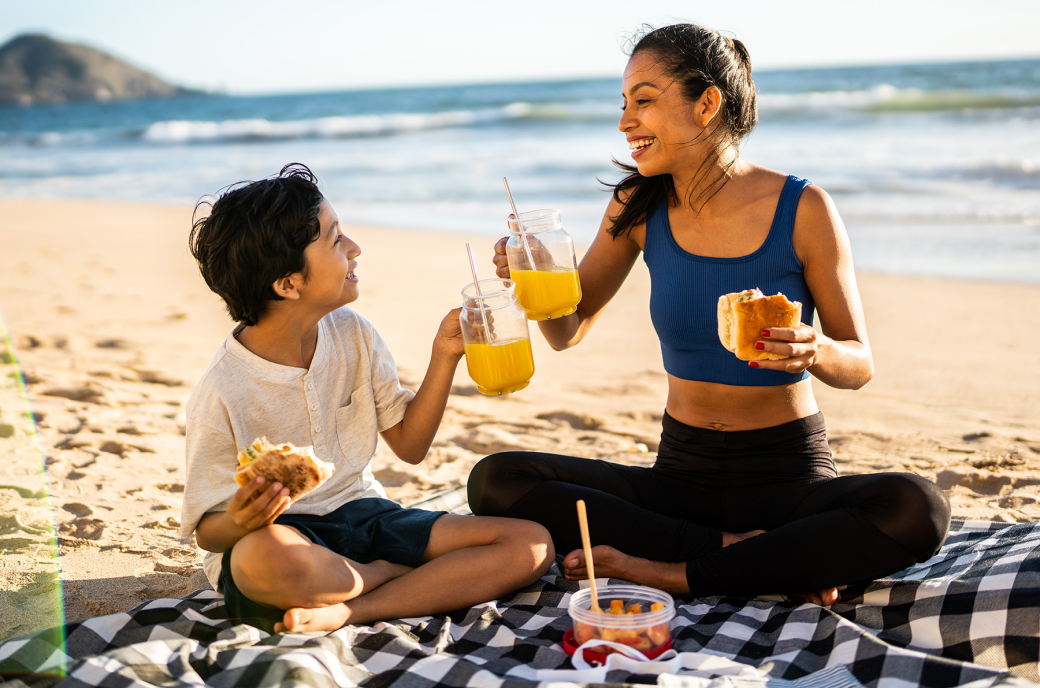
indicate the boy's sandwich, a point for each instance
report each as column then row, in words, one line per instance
column 744, row 314
column 297, row 468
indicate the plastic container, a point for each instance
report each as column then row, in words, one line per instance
column 647, row 631
column 546, row 277
column 495, row 337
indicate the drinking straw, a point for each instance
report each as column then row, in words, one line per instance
column 520, row 225
column 476, row 285
column 583, row 524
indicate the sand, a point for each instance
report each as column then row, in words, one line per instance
column 112, row 326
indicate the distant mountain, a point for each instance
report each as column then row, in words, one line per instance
column 35, row 68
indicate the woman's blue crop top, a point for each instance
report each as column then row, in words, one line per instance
column 685, row 291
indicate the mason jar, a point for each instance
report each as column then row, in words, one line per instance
column 542, row 264
column 496, row 339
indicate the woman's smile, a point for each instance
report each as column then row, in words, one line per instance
column 639, row 144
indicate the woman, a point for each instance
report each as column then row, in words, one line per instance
column 744, row 497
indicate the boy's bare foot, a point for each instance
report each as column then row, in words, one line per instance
column 301, row 620
column 824, row 598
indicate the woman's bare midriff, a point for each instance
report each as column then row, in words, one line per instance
column 728, row 407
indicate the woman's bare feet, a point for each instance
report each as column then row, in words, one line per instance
column 733, row 538
column 610, row 563
column 824, row 598
column 607, row 562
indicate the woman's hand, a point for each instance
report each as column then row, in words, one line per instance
column 253, row 507
column 802, row 345
column 500, row 260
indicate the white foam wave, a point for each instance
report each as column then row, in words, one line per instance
column 885, row 97
column 185, row 131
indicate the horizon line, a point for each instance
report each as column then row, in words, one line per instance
column 603, row 77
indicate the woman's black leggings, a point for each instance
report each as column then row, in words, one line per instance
column 822, row 530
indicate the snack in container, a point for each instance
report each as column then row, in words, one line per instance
column 632, row 615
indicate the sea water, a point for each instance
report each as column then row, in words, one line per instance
column 934, row 168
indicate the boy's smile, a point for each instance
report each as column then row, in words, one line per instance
column 331, row 259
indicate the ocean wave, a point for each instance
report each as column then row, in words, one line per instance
column 360, row 126
column 55, row 138
column 888, row 98
column 357, row 126
column 883, row 98
column 1022, row 173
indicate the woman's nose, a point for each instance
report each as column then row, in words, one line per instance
column 626, row 122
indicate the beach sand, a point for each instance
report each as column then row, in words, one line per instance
column 112, row 326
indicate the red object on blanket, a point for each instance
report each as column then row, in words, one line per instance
column 569, row 646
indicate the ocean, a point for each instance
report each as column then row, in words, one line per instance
column 935, row 168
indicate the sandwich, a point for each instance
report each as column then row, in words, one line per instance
column 297, row 468
column 744, row 314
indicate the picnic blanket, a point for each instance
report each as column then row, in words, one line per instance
column 970, row 615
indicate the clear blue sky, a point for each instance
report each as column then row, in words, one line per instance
column 259, row 46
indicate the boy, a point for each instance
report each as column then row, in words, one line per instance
column 301, row 368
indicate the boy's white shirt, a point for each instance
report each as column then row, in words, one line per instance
column 350, row 394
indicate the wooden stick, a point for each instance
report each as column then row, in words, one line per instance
column 586, row 544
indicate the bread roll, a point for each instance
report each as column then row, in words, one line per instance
column 297, row 468
column 743, row 315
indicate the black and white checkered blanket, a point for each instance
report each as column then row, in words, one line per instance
column 969, row 615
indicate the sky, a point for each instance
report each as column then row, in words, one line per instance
column 275, row 46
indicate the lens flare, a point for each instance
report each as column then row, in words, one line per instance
column 30, row 576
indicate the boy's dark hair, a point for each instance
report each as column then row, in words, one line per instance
column 256, row 233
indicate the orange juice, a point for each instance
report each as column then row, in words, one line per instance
column 546, row 294
column 500, row 368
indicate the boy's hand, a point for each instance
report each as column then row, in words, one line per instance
column 253, row 507
column 449, row 336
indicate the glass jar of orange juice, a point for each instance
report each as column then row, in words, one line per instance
column 496, row 338
column 545, row 270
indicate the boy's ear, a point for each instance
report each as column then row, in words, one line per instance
column 288, row 287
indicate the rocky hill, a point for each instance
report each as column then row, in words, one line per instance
column 35, row 68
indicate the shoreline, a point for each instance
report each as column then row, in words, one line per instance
column 112, row 326
column 866, row 232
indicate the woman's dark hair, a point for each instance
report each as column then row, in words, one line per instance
column 256, row 233
column 696, row 57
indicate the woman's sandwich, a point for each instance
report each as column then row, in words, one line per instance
column 297, row 468
column 744, row 314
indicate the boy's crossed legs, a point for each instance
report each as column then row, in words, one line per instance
column 468, row 560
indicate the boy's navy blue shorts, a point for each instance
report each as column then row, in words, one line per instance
column 362, row 530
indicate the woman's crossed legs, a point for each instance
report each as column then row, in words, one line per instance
column 691, row 536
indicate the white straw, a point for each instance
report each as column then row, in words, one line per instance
column 476, row 285
column 520, row 225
